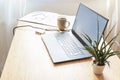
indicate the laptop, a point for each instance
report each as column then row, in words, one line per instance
column 69, row 45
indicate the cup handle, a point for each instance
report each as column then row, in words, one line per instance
column 68, row 24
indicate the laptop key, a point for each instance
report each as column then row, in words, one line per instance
column 68, row 44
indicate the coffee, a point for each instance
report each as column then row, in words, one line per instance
column 62, row 23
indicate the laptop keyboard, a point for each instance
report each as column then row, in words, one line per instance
column 68, row 44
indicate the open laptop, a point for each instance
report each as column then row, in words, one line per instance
column 68, row 45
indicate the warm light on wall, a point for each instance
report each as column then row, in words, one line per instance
column 112, row 13
column 108, row 5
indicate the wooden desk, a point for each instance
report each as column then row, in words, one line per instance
column 29, row 60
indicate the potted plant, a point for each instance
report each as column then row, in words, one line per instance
column 100, row 51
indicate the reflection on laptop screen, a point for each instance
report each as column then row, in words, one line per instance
column 87, row 22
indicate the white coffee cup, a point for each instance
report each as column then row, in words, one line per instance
column 62, row 23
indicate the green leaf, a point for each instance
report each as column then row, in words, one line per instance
column 112, row 54
column 87, row 38
column 101, row 52
column 91, row 51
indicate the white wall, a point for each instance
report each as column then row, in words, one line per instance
column 60, row 6
column 64, row 6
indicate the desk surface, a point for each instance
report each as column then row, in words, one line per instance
column 28, row 59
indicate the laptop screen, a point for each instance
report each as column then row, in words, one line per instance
column 87, row 22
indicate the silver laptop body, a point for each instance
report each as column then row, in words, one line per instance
column 69, row 45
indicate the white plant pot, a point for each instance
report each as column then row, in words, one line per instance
column 98, row 69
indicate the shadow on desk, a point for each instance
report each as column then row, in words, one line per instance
column 73, row 62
